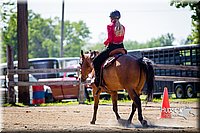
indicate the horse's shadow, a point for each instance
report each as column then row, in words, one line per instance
column 125, row 123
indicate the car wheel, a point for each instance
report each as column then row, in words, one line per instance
column 190, row 91
column 179, row 91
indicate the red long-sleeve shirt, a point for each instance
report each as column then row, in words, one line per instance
column 112, row 36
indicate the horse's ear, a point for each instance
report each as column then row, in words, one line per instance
column 97, row 52
column 82, row 54
column 91, row 54
column 94, row 53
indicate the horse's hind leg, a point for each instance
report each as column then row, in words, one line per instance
column 137, row 101
column 132, row 113
column 114, row 96
column 140, row 117
column 96, row 102
column 136, row 104
column 131, row 95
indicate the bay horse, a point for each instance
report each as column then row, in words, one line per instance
column 128, row 73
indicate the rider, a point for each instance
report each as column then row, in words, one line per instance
column 115, row 39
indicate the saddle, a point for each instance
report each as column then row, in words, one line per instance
column 113, row 56
column 117, row 51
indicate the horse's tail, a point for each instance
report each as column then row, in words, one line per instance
column 148, row 68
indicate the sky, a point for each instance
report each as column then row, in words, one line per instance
column 143, row 19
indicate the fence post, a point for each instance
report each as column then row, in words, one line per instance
column 81, row 93
column 22, row 40
column 11, row 92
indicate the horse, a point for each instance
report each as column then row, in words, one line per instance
column 128, row 73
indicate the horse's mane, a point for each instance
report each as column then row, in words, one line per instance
column 91, row 54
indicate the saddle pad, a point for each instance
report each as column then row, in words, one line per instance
column 110, row 60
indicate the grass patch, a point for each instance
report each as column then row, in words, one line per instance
column 157, row 100
column 14, row 105
column 58, row 104
column 41, row 105
column 187, row 100
column 103, row 101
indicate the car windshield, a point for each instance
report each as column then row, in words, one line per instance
column 71, row 63
column 2, row 82
column 31, row 78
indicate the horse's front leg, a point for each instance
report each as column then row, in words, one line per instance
column 96, row 102
column 114, row 96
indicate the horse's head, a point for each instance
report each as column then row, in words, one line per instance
column 86, row 64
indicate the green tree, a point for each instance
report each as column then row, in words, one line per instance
column 154, row 42
column 164, row 40
column 76, row 35
column 9, row 37
column 167, row 40
column 195, row 7
column 42, row 38
column 6, row 10
column 130, row 45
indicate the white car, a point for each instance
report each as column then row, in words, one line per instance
column 3, row 90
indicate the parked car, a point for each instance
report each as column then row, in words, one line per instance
column 62, row 92
column 4, row 89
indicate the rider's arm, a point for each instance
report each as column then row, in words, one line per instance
column 110, row 35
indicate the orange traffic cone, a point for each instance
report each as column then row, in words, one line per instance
column 165, row 113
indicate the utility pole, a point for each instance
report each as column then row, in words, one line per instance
column 22, row 40
column 62, row 30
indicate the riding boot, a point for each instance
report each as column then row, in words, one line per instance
column 97, row 81
column 97, row 78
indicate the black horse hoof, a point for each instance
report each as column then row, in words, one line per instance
column 92, row 122
column 144, row 123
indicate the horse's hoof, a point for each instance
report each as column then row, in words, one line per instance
column 144, row 123
column 92, row 122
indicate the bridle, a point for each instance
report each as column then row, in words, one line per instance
column 88, row 63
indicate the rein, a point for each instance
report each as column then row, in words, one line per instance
column 88, row 63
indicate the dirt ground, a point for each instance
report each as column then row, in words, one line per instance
column 76, row 118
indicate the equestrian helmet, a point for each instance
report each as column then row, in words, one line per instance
column 115, row 14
